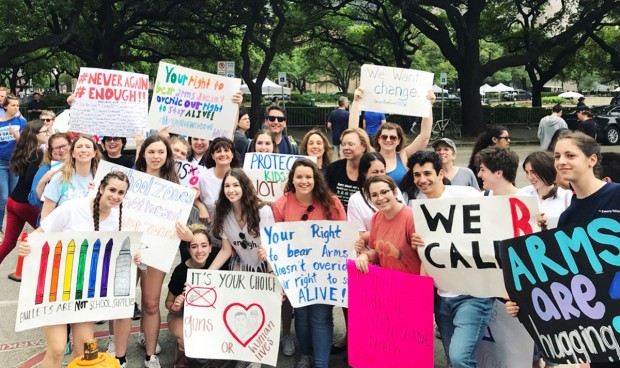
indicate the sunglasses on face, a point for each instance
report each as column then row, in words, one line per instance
column 274, row 118
column 110, row 139
column 390, row 137
column 304, row 217
column 244, row 243
column 506, row 138
column 47, row 120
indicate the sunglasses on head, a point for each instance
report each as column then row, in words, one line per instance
column 244, row 243
column 279, row 118
column 304, row 217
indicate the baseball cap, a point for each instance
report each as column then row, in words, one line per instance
column 447, row 141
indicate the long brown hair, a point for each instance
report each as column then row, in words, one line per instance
column 104, row 183
column 168, row 170
column 320, row 191
column 26, row 147
column 303, row 149
column 47, row 157
column 68, row 168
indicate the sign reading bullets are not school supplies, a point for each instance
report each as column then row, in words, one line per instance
column 77, row 277
column 395, row 90
column 462, row 239
column 310, row 259
column 193, row 103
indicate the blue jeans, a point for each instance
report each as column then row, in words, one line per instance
column 462, row 321
column 7, row 184
column 314, row 330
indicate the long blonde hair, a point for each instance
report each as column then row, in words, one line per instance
column 68, row 168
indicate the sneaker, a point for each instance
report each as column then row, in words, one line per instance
column 124, row 365
column 288, row 345
column 152, row 363
column 137, row 313
column 68, row 348
column 304, row 362
column 111, row 346
column 254, row 365
column 180, row 361
column 143, row 344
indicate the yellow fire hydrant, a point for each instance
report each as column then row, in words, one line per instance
column 93, row 358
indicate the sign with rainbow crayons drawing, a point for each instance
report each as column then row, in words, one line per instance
column 77, row 277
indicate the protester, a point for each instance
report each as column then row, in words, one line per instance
column 338, row 121
column 102, row 213
column 498, row 170
column 57, row 150
column 113, row 151
column 549, row 125
column 198, row 148
column 48, row 117
column 241, row 140
column 495, row 135
column 315, row 144
column 371, row 121
column 180, row 147
column 263, row 142
column 24, row 163
column 446, row 149
column 275, row 121
column 585, row 122
column 3, row 93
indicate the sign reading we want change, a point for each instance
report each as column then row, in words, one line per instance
column 152, row 206
column 269, row 172
column 77, row 277
column 567, row 285
column 390, row 319
column 193, row 103
column 238, row 313
column 310, row 259
column 462, row 238
column 395, row 90
column 110, row 103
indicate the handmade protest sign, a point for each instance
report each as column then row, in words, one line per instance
column 390, row 318
column 309, row 258
column 505, row 342
column 110, row 102
column 395, row 90
column 238, row 313
column 152, row 206
column 567, row 285
column 193, row 103
column 269, row 172
column 462, row 238
column 189, row 173
column 77, row 277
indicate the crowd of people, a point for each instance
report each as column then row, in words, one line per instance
column 370, row 185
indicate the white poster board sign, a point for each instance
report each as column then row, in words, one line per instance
column 269, row 172
column 238, row 313
column 77, row 277
column 110, row 102
column 152, row 206
column 395, row 90
column 310, row 259
column 189, row 173
column 193, row 103
column 462, row 238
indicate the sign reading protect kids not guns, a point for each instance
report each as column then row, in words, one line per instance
column 110, row 102
column 152, row 206
column 269, row 172
column 390, row 319
column 77, row 277
column 310, row 259
column 462, row 237
column 566, row 282
column 193, row 103
column 395, row 90
column 238, row 313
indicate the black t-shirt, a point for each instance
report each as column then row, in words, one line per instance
column 36, row 105
column 605, row 202
column 24, row 183
column 340, row 121
column 588, row 127
column 127, row 161
column 340, row 183
column 179, row 275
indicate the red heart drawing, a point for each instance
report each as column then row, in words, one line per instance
column 244, row 327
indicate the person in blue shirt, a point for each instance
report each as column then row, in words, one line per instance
column 372, row 122
column 275, row 121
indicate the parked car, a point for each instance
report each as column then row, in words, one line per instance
column 517, row 95
column 607, row 119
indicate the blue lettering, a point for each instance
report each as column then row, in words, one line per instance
column 519, row 269
column 536, row 249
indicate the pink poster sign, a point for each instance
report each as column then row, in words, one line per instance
column 390, row 319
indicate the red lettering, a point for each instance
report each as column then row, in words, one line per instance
column 520, row 225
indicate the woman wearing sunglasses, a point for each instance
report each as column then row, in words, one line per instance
column 307, row 197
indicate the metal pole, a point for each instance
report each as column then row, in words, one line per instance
column 283, row 100
column 442, row 102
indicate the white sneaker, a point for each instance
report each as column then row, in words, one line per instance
column 153, row 362
column 143, row 344
column 254, row 365
column 288, row 345
column 111, row 347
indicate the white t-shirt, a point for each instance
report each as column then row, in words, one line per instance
column 360, row 214
column 248, row 256
column 58, row 191
column 76, row 215
column 209, row 189
column 551, row 207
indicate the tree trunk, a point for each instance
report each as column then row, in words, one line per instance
column 257, row 113
column 471, row 112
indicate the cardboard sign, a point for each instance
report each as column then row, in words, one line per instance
column 567, row 285
column 310, row 259
column 395, row 90
column 152, row 206
column 462, row 239
column 189, row 173
column 238, row 313
column 269, row 172
column 390, row 319
column 193, row 103
column 77, row 277
column 110, row 103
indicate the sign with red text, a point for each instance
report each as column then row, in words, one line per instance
column 310, row 259
column 462, row 237
column 566, row 283
column 193, row 103
column 152, row 206
column 77, row 277
column 238, row 313
column 390, row 319
column 269, row 172
column 189, row 173
column 110, row 103
column 395, row 90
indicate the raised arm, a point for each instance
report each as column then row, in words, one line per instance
column 421, row 141
column 354, row 108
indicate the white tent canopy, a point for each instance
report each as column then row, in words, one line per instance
column 437, row 89
column 268, row 88
column 501, row 87
column 617, row 89
column 485, row 88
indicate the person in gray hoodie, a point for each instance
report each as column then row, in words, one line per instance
column 549, row 125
